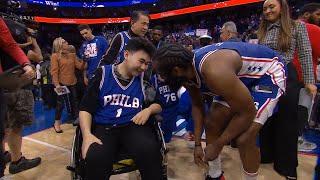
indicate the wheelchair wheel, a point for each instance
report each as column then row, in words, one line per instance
column 163, row 151
column 123, row 163
column 76, row 164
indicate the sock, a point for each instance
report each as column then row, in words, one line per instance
column 16, row 162
column 250, row 176
column 215, row 168
column 289, row 178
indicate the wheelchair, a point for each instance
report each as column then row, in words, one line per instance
column 123, row 163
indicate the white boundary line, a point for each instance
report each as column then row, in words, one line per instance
column 47, row 144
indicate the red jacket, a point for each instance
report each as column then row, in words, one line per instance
column 9, row 45
column 314, row 37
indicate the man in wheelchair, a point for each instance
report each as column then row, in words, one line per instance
column 113, row 105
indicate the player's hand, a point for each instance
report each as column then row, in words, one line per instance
column 86, row 81
column 87, row 141
column 29, row 73
column 212, row 151
column 311, row 88
column 142, row 117
column 198, row 157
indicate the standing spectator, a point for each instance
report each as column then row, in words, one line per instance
column 229, row 32
column 91, row 50
column 279, row 32
column 139, row 24
column 20, row 106
column 308, row 14
column 10, row 47
column 205, row 40
column 157, row 35
column 63, row 64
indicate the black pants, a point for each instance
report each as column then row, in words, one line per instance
column 279, row 136
column 139, row 141
column 70, row 101
column 49, row 96
column 2, row 116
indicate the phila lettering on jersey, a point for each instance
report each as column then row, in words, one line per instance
column 118, row 104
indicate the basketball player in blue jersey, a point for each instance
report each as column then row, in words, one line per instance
column 248, row 79
column 169, row 103
column 113, row 105
column 91, row 50
column 139, row 24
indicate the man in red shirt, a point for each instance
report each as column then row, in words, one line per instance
column 9, row 46
column 310, row 14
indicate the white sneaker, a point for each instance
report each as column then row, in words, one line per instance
column 306, row 146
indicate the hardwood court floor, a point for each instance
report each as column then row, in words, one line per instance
column 54, row 149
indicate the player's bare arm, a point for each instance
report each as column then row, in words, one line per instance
column 198, row 117
column 219, row 72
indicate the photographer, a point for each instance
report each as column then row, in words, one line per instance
column 9, row 46
column 19, row 104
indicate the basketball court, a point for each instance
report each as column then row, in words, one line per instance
column 55, row 149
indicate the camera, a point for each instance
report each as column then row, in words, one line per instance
column 14, row 4
column 18, row 25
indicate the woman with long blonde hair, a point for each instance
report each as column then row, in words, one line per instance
column 279, row 32
column 63, row 64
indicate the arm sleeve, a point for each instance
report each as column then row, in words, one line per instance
column 8, row 45
column 90, row 101
column 54, row 69
column 112, row 52
column 304, row 52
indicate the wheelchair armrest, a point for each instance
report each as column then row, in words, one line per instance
column 158, row 118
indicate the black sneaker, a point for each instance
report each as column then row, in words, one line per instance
column 23, row 164
column 7, row 157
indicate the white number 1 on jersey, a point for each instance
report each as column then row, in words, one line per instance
column 119, row 111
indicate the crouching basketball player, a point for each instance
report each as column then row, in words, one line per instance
column 248, row 78
column 113, row 105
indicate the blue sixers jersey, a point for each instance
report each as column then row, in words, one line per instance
column 258, row 62
column 92, row 52
column 118, row 104
column 125, row 37
column 168, row 98
column 170, row 106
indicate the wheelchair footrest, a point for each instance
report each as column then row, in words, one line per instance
column 70, row 168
